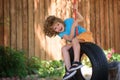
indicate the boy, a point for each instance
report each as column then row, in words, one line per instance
column 66, row 30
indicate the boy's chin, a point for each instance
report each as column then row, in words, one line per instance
column 61, row 30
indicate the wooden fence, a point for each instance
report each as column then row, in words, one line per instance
column 21, row 24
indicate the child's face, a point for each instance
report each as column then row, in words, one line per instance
column 58, row 27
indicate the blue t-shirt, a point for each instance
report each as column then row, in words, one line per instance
column 68, row 25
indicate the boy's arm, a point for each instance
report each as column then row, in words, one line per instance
column 71, row 36
column 79, row 17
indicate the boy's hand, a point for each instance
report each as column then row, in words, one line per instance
column 75, row 5
column 75, row 24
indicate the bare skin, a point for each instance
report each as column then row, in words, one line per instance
column 65, row 53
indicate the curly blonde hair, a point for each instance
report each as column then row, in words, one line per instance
column 49, row 22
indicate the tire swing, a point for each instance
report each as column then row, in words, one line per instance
column 97, row 59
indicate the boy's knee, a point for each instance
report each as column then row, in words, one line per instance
column 75, row 41
column 64, row 48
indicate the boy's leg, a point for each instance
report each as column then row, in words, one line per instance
column 76, row 48
column 66, row 58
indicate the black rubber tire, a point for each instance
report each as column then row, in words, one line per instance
column 97, row 59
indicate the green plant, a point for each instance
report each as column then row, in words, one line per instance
column 51, row 68
column 111, row 55
column 86, row 61
column 45, row 68
column 33, row 65
column 12, row 62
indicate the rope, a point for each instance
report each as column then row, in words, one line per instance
column 74, row 11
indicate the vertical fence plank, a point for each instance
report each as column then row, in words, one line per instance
column 42, row 36
column 13, row 23
column 111, row 32
column 107, row 40
column 97, row 26
column 37, row 27
column 49, row 40
column 80, row 9
column 118, row 24
column 6, row 23
column 52, row 12
column 31, row 27
column 1, row 23
column 87, row 13
column 84, row 13
column 55, row 49
column 92, row 17
column 19, row 23
column 47, row 6
column 116, row 32
column 25, row 26
column 102, row 24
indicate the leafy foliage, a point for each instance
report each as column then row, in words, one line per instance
column 12, row 63
column 33, row 65
column 112, row 55
column 45, row 68
column 86, row 61
column 51, row 68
